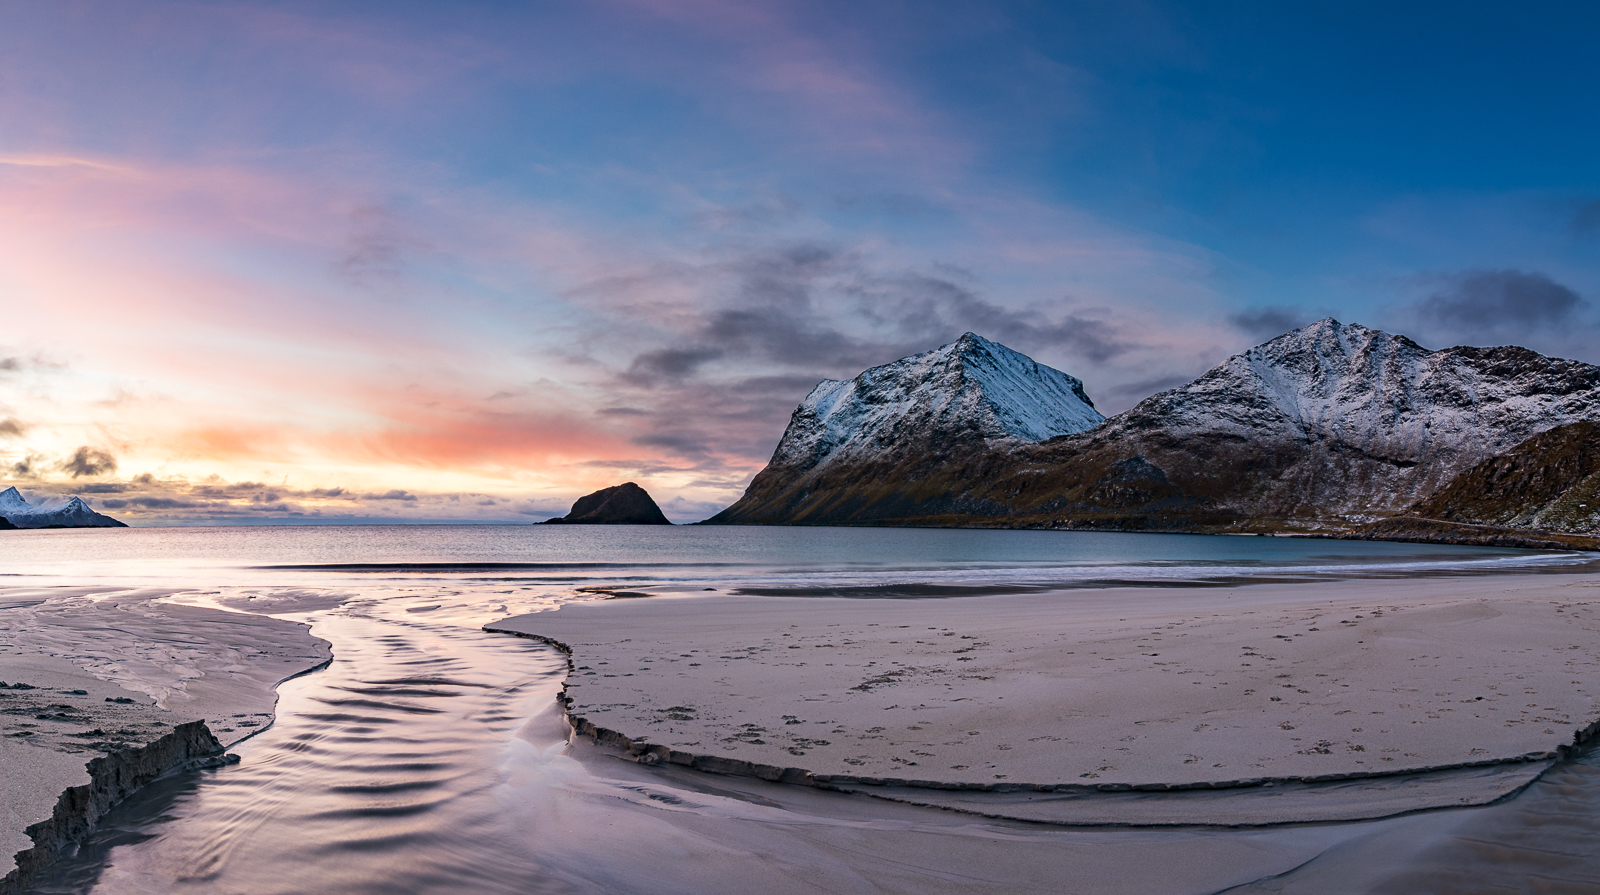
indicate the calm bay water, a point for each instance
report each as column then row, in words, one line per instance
column 429, row 757
column 729, row 556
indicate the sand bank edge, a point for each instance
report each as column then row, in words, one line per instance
column 645, row 752
column 113, row 777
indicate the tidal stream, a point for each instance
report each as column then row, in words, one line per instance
column 431, row 757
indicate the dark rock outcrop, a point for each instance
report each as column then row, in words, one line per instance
column 624, row 504
column 1434, row 531
column 112, row 778
column 5, row 524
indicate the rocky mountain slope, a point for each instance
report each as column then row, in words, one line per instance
column 1549, row 482
column 624, row 504
column 1327, row 426
column 75, row 513
column 853, row 448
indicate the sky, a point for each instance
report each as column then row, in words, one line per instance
column 267, row 263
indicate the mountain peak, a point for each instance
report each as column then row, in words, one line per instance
column 917, row 414
column 969, row 388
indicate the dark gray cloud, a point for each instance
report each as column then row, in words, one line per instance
column 393, row 494
column 149, row 503
column 691, row 443
column 638, row 467
column 89, row 461
column 802, row 312
column 12, row 363
column 1500, row 301
column 1270, row 321
column 1499, row 307
column 11, row 427
column 668, row 364
column 817, row 307
column 26, row 468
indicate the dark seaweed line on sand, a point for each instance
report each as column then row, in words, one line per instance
column 645, row 752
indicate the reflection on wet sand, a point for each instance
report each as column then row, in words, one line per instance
column 431, row 757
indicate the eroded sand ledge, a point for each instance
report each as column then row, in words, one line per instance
column 107, row 688
column 1090, row 691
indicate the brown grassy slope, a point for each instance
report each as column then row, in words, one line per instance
column 1550, row 482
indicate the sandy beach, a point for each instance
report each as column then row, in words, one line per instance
column 1441, row 691
column 95, row 671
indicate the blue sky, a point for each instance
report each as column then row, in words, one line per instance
column 493, row 256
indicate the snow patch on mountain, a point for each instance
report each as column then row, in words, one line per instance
column 969, row 388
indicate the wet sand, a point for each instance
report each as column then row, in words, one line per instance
column 1084, row 691
column 89, row 671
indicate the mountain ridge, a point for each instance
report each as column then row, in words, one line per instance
column 74, row 513
column 1329, row 426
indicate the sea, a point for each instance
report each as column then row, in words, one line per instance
column 430, row 756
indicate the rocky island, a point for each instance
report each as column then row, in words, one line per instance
column 624, row 504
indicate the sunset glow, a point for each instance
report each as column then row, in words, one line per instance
column 301, row 262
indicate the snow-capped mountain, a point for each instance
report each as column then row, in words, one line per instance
column 1329, row 422
column 971, row 387
column 1328, row 426
column 972, row 394
column 74, row 513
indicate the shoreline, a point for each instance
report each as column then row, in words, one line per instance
column 626, row 715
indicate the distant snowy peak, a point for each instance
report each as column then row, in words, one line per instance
column 74, row 513
column 970, row 388
column 11, row 502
